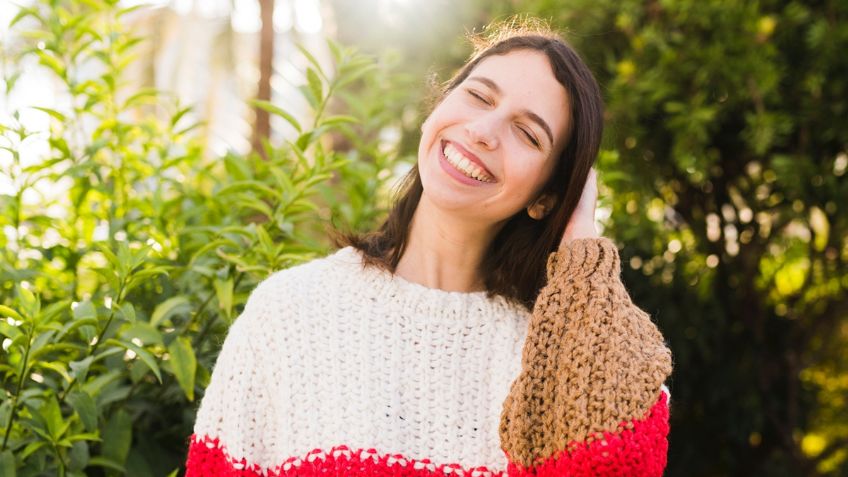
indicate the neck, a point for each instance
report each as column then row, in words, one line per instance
column 445, row 251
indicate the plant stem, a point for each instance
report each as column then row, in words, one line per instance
column 62, row 465
column 198, row 338
column 15, row 397
column 99, row 338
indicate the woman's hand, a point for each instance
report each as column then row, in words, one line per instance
column 582, row 222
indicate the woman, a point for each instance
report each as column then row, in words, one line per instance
column 482, row 330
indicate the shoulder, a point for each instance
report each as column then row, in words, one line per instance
column 297, row 286
column 314, row 276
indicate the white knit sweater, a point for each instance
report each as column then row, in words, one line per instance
column 328, row 353
column 335, row 369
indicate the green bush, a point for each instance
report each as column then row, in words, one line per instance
column 725, row 177
column 115, row 298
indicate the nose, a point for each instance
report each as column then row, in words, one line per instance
column 482, row 131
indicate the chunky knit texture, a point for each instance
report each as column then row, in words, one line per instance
column 334, row 368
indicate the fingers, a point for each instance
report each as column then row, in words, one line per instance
column 590, row 190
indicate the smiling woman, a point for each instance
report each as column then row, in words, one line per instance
column 482, row 330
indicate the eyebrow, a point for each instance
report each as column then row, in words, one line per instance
column 530, row 114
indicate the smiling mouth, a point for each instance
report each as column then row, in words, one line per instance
column 463, row 164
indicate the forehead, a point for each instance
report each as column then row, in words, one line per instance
column 526, row 80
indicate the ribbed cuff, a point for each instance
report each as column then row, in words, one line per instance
column 585, row 257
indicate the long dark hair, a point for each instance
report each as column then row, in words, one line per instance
column 514, row 265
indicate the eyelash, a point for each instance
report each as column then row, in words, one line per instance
column 527, row 134
column 478, row 96
column 530, row 137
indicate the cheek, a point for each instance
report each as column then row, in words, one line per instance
column 528, row 174
column 431, row 126
column 449, row 110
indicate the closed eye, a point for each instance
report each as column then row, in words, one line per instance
column 477, row 96
column 529, row 137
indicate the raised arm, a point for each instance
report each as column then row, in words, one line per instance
column 589, row 400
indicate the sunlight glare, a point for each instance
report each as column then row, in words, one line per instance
column 307, row 14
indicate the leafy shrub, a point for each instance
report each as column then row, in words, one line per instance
column 725, row 167
column 115, row 297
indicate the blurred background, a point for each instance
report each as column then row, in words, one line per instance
column 158, row 160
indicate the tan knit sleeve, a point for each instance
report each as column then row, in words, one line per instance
column 591, row 361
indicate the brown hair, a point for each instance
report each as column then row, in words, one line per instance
column 515, row 264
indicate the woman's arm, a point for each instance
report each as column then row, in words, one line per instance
column 589, row 398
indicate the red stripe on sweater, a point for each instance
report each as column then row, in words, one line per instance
column 638, row 449
column 207, row 458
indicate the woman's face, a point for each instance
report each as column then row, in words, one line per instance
column 492, row 143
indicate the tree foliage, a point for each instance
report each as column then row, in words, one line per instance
column 725, row 175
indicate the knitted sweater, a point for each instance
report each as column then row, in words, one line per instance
column 338, row 369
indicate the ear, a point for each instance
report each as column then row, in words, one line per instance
column 540, row 207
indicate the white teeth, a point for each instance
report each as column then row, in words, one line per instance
column 463, row 164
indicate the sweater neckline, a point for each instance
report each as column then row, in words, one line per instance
column 353, row 257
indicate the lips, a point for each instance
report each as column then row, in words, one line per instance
column 466, row 162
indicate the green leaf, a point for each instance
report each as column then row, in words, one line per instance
column 85, row 310
column 138, row 371
column 130, row 9
column 52, row 416
column 9, row 331
column 256, row 205
column 143, row 95
column 23, row 13
column 7, row 463
column 303, row 140
column 106, row 462
column 224, row 293
column 31, row 448
column 85, row 407
column 97, row 5
column 139, row 256
column 316, row 87
column 52, row 112
column 86, row 436
column 167, row 308
column 127, row 312
column 30, row 304
column 241, row 186
column 51, row 62
column 56, row 366
column 183, row 364
column 147, row 333
column 337, row 120
column 79, row 455
column 8, row 312
column 110, row 255
column 312, row 60
column 79, row 369
column 117, row 438
column 237, row 168
column 232, row 258
column 277, row 111
column 264, row 238
column 141, row 353
column 354, row 73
